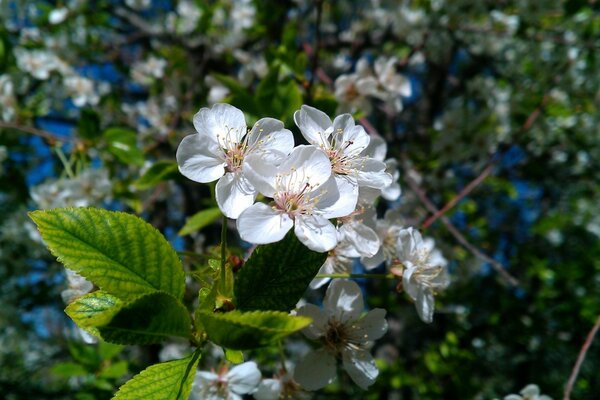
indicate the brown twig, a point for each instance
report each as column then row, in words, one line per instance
column 50, row 137
column 464, row 192
column 455, row 232
column 580, row 358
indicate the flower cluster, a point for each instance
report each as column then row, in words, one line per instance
column 308, row 184
column 339, row 174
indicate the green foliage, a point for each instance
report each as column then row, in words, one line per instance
column 94, row 309
column 122, row 143
column 88, row 126
column 119, row 252
column 246, row 330
column 276, row 275
column 166, row 381
column 150, row 319
column 200, row 220
column 159, row 171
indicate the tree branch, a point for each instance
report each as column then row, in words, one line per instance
column 580, row 358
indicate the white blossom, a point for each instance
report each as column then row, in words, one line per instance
column 90, row 187
column 344, row 144
column 388, row 230
column 305, row 196
column 226, row 384
column 145, row 72
column 529, row 392
column 281, row 386
column 377, row 149
column 392, row 86
column 39, row 63
column 8, row 101
column 77, row 286
column 82, row 90
column 138, row 4
column 58, row 15
column 353, row 90
column 345, row 334
column 423, row 270
column 220, row 147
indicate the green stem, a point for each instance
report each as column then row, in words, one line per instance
column 368, row 276
column 66, row 163
column 282, row 356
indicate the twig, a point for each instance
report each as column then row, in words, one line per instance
column 580, row 358
column 50, row 137
column 456, row 233
column 464, row 192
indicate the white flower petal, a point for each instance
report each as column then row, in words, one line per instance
column 338, row 201
column 361, row 367
column 269, row 134
column 316, row 370
column 313, row 124
column 391, row 192
column 372, row 173
column 316, row 233
column 343, row 300
column 234, row 194
column 319, row 325
column 355, row 139
column 269, row 389
column 260, row 224
column 200, row 160
column 223, row 123
column 425, row 304
column 244, row 378
column 261, row 173
column 373, row 325
column 364, row 239
column 306, row 164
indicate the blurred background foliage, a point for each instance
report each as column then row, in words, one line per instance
column 96, row 96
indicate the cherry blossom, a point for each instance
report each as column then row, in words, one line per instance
column 423, row 270
column 345, row 335
column 344, row 144
column 220, row 147
column 226, row 384
column 304, row 195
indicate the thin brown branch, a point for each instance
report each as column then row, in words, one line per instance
column 50, row 137
column 464, row 192
column 455, row 232
column 586, row 345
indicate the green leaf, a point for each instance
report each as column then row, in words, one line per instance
column 115, row 370
column 109, row 350
column 160, row 171
column 122, row 143
column 88, row 125
column 200, row 220
column 234, row 356
column 69, row 369
column 171, row 380
column 150, row 319
column 276, row 275
column 119, row 252
column 94, row 309
column 240, row 331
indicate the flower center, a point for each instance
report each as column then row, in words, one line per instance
column 234, row 157
column 336, row 337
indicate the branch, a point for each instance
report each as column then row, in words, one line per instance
column 455, row 232
column 464, row 192
column 50, row 137
column 580, row 358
